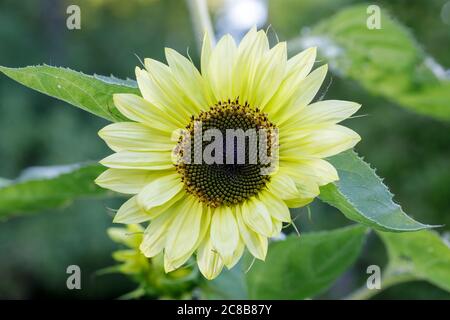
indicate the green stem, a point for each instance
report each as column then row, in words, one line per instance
column 389, row 279
column 135, row 294
column 201, row 20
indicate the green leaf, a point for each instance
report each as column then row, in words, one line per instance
column 362, row 197
column 424, row 254
column 41, row 188
column 4, row 182
column 91, row 93
column 303, row 267
column 229, row 285
column 387, row 62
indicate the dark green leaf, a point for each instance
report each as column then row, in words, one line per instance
column 303, row 267
column 424, row 254
column 91, row 93
column 362, row 197
column 41, row 188
column 387, row 61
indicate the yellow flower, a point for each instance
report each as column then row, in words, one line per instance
column 218, row 209
column 149, row 273
column 132, row 261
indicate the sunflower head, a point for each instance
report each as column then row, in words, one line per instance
column 215, row 158
column 233, row 171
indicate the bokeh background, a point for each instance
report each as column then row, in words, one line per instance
column 409, row 150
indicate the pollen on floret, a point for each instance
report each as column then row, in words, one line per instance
column 225, row 184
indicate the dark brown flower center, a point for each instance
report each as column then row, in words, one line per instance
column 226, row 153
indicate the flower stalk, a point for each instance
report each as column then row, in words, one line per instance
column 201, row 20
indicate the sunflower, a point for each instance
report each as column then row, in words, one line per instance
column 217, row 210
column 149, row 273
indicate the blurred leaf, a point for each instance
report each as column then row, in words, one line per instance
column 289, row 16
column 4, row 182
column 386, row 62
column 362, row 197
column 303, row 267
column 90, row 93
column 135, row 294
column 424, row 254
column 41, row 188
column 229, row 285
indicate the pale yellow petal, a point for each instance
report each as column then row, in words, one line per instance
column 303, row 94
column 220, row 68
column 133, row 136
column 282, row 186
column 172, row 264
column 130, row 212
column 236, row 255
column 206, row 53
column 125, row 181
column 184, row 231
column 318, row 170
column 310, row 86
column 301, row 64
column 208, row 259
column 277, row 225
column 204, row 224
column 158, row 210
column 269, row 75
column 156, row 95
column 224, row 233
column 165, row 92
column 138, row 109
column 156, row 233
column 322, row 113
column 159, row 191
column 255, row 242
column 190, row 79
column 322, row 143
column 298, row 202
column 298, row 68
column 306, row 187
column 252, row 48
column 257, row 217
column 248, row 40
column 276, row 207
column 150, row 160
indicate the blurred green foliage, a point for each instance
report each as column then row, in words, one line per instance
column 40, row 188
column 37, row 130
column 424, row 255
column 302, row 267
column 411, row 151
column 387, row 61
column 152, row 280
